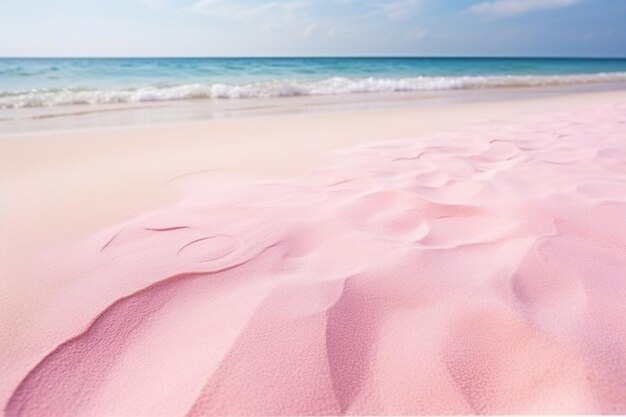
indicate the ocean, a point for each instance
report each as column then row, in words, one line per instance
column 46, row 82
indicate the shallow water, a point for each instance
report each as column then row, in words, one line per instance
column 54, row 82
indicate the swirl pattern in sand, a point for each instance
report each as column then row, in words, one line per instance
column 473, row 272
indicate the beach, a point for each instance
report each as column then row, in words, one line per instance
column 448, row 258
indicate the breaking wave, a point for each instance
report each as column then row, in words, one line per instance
column 289, row 88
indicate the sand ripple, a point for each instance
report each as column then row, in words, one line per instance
column 475, row 272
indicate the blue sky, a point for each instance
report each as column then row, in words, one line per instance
column 312, row 27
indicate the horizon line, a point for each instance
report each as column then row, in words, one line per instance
column 309, row 57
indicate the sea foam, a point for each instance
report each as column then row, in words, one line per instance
column 289, row 88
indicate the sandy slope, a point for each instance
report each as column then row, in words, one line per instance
column 480, row 270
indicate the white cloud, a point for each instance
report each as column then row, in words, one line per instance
column 398, row 9
column 512, row 7
column 220, row 7
column 280, row 18
column 153, row 3
column 244, row 9
column 416, row 34
column 318, row 21
column 309, row 29
column 235, row 9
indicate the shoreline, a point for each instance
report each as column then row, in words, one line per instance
column 71, row 171
column 145, row 114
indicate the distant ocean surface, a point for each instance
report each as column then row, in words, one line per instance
column 57, row 82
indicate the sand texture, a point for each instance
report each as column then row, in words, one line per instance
column 480, row 271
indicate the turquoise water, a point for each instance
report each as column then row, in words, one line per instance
column 50, row 82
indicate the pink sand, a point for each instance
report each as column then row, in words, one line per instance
column 475, row 272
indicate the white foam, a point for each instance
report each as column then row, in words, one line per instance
column 287, row 88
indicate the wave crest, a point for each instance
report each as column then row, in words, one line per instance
column 289, row 88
